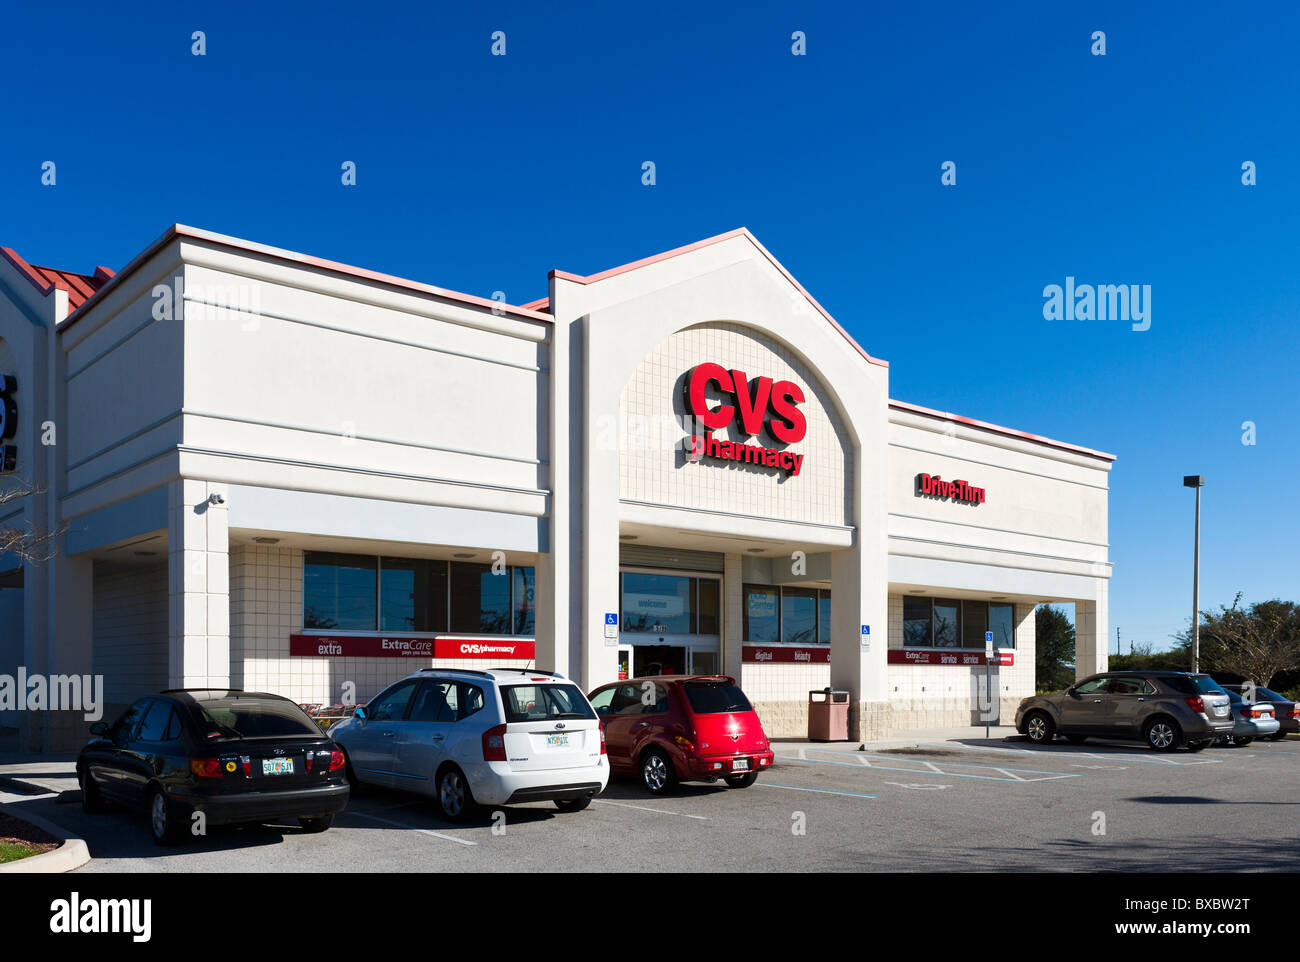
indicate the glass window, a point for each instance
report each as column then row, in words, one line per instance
column 252, row 716
column 715, row 698
column 799, row 615
column 123, row 727
column 974, row 622
column 916, row 622
column 480, row 600
column 762, row 608
column 174, row 729
column 709, row 622
column 412, row 595
column 525, row 703
column 704, row 662
column 824, row 617
column 339, row 591
column 435, row 702
column 641, row 698
column 524, row 598
column 663, row 604
column 391, row 705
column 946, row 615
column 1094, row 687
column 155, row 722
column 471, row 699
column 603, row 700
column 1002, row 623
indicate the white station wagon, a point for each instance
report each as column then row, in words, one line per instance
column 471, row 738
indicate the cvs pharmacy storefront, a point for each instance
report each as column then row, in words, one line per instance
column 310, row 478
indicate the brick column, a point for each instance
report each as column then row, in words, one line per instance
column 198, row 586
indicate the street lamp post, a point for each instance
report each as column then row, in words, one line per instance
column 1196, row 481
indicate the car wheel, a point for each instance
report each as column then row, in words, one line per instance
column 355, row 785
column 1076, row 739
column 1163, row 734
column 1039, row 727
column 572, row 804
column 657, row 773
column 455, row 800
column 166, row 821
column 1243, row 741
column 1200, row 746
column 92, row 801
column 742, row 781
column 320, row 823
column 1277, row 736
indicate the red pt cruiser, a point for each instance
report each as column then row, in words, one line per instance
column 671, row 728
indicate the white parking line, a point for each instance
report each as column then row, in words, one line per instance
column 422, row 831
column 642, row 808
column 822, row 791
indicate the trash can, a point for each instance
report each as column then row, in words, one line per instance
column 828, row 716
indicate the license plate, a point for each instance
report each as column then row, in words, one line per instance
column 1221, row 709
column 557, row 741
column 277, row 766
column 740, row 765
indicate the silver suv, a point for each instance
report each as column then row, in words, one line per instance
column 1165, row 709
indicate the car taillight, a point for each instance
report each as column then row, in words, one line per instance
column 206, row 767
column 336, row 760
column 309, row 758
column 602, row 740
column 248, row 765
column 494, row 744
column 685, row 743
column 1197, row 704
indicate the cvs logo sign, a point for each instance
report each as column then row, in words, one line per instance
column 759, row 403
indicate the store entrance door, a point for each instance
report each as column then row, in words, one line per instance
column 659, row 660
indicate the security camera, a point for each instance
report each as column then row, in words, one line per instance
column 216, row 499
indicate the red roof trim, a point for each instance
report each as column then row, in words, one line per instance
column 26, row 269
column 79, row 287
column 998, row 429
column 180, row 230
column 738, row 232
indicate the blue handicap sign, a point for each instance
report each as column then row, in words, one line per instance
column 611, row 618
column 866, row 629
column 988, row 636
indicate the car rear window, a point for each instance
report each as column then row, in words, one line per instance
column 526, row 703
column 253, row 718
column 715, row 697
column 1193, row 684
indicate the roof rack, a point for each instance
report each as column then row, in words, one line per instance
column 463, row 671
column 532, row 671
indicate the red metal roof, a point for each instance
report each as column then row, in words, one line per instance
column 80, row 287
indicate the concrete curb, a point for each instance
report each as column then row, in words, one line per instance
column 72, row 854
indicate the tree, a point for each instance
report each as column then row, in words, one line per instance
column 1142, row 658
column 1255, row 643
column 1053, row 648
column 29, row 543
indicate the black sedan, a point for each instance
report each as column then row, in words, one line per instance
column 234, row 756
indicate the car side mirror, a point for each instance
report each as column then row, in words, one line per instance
column 99, row 728
column 359, row 714
column 1072, row 692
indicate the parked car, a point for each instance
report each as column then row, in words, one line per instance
column 1165, row 709
column 470, row 738
column 1249, row 721
column 672, row 728
column 1286, row 711
column 235, row 756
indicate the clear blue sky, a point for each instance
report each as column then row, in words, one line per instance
column 481, row 173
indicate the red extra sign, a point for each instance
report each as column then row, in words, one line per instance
column 819, row 655
column 408, row 646
column 940, row 656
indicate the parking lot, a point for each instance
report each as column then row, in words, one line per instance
column 968, row 805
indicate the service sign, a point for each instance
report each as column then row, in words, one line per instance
column 754, row 407
column 933, row 486
column 948, row 656
column 408, row 646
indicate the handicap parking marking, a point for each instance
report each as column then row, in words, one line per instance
column 872, row 761
column 643, row 808
column 820, row 791
column 412, row 828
